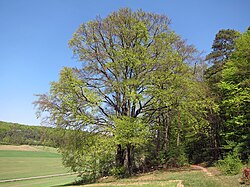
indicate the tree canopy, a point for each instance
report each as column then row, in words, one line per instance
column 235, row 87
column 138, row 100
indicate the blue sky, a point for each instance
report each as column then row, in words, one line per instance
column 34, row 36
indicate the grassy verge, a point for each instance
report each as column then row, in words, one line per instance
column 189, row 178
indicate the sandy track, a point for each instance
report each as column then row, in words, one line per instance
column 139, row 183
column 203, row 169
column 18, row 148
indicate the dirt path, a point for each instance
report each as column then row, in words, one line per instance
column 139, row 183
column 37, row 177
column 19, row 148
column 203, row 169
column 179, row 183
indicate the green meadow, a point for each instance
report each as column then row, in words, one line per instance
column 16, row 164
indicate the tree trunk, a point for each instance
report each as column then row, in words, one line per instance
column 158, row 141
column 179, row 129
column 120, row 156
column 166, row 138
column 166, row 125
column 129, row 160
column 216, row 142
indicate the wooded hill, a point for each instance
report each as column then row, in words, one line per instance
column 18, row 134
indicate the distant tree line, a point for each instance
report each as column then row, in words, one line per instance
column 17, row 134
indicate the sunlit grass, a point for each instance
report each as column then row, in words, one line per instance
column 189, row 178
column 22, row 164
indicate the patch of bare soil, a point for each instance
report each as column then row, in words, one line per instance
column 18, row 147
column 202, row 168
column 144, row 177
column 118, row 184
column 179, row 183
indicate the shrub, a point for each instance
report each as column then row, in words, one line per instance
column 119, row 172
column 176, row 157
column 248, row 162
column 231, row 164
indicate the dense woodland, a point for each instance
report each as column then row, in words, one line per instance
column 144, row 99
column 18, row 134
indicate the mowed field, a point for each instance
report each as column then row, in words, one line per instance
column 28, row 161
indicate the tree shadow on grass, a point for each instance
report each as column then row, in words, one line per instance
column 76, row 183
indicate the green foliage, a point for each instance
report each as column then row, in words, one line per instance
column 130, row 131
column 197, row 148
column 223, row 49
column 223, row 46
column 248, row 162
column 176, row 157
column 17, row 134
column 119, row 172
column 135, row 89
column 231, row 164
column 236, row 96
column 92, row 157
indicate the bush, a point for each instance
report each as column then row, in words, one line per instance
column 175, row 157
column 248, row 162
column 231, row 164
column 119, row 172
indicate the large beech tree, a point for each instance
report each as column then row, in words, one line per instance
column 135, row 85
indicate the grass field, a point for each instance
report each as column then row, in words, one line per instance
column 27, row 161
column 38, row 162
